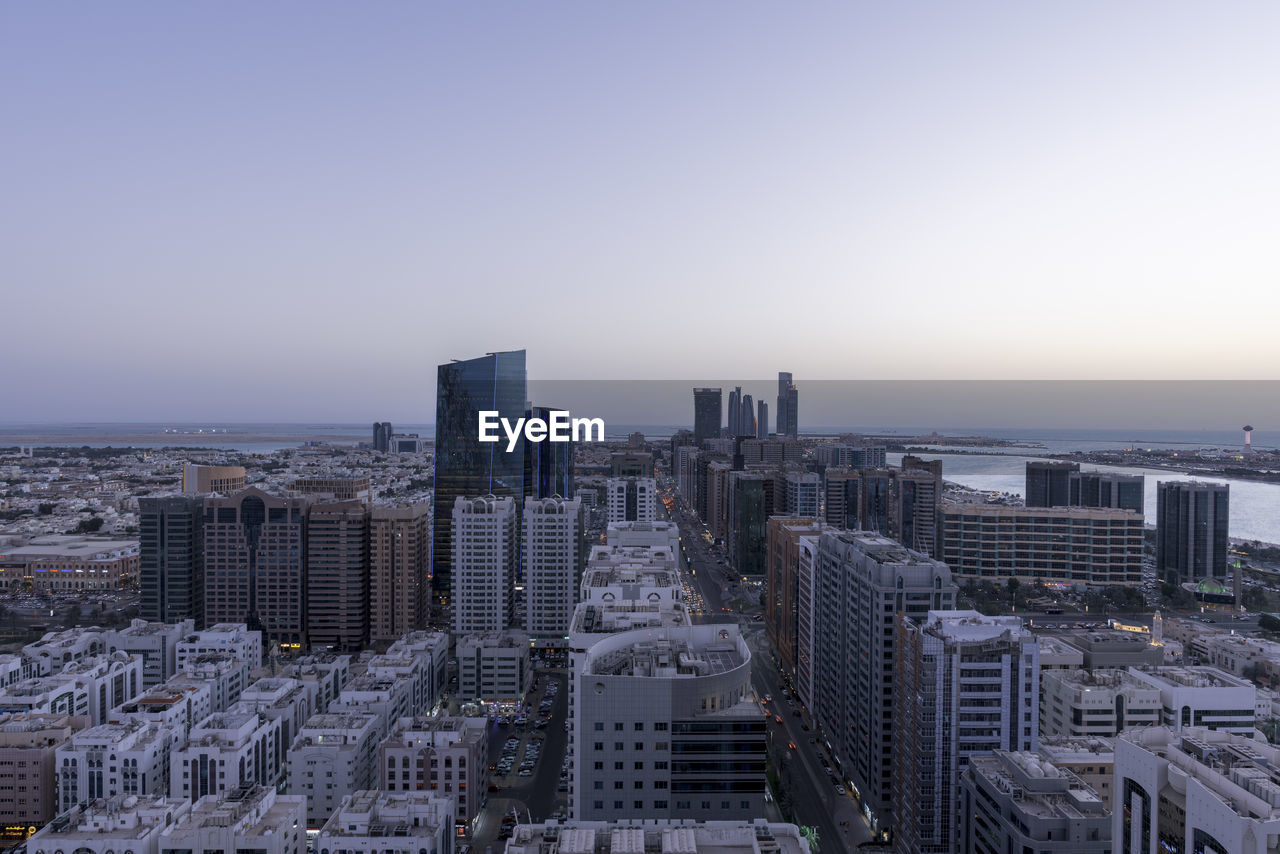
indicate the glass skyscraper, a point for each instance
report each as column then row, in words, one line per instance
column 465, row 467
column 548, row 466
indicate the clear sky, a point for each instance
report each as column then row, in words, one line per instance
column 291, row 211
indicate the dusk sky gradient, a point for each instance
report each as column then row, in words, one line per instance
column 293, row 211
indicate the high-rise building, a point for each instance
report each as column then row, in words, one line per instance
column 382, row 434
column 171, row 559
column 747, row 515
column 548, row 465
column 860, row 583
column 555, row 552
column 735, row 411
column 782, row 584
column 629, row 464
column 803, row 493
column 916, row 496
column 1049, row 483
column 857, row 500
column 338, row 488
column 255, row 563
column 706, row 414
column 464, row 466
column 399, row 570
column 666, row 726
column 747, row 420
column 338, row 575
column 632, row 499
column 762, row 420
column 1108, row 489
column 788, row 406
column 969, row 686
column 1191, row 530
column 486, row 550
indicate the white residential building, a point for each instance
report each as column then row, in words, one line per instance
column 334, row 755
column 494, row 667
column 420, row 658
column 1202, row 697
column 375, row 822
column 178, row 703
column 129, row 758
column 233, row 638
column 90, row 686
column 226, row 751
column 385, row 696
column 632, row 499
column 157, row 643
column 124, row 823
column 288, row 700
column 554, row 555
column 444, row 754
column 485, row 564
column 646, row 534
column 804, row 494
column 1095, row 703
column 57, row 649
column 634, row 836
column 251, row 818
column 328, row 672
column 226, row 674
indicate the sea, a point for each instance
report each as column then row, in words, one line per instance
column 1255, row 506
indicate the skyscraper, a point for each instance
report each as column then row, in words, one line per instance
column 399, row 570
column 788, row 406
column 382, row 435
column 1049, row 482
column 171, row 559
column 747, row 417
column 735, row 411
column 1191, row 530
column 548, row 465
column 486, row 550
column 338, row 575
column 706, row 414
column 464, row 466
column 555, row 550
column 762, row 420
column 916, row 493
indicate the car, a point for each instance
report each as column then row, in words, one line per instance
column 792, row 745
column 839, row 789
column 777, row 719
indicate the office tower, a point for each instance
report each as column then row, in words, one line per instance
column 706, row 414
column 1022, row 801
column 735, row 411
column 548, row 465
column 803, row 493
column 666, row 726
column 630, row 464
column 1108, row 489
column 782, row 584
column 701, row 466
column 774, row 452
column 857, row 500
column 853, row 457
column 198, row 479
column 718, row 499
column 861, row 582
column 632, row 499
column 680, row 439
column 747, row 420
column 788, row 406
column 1191, row 530
column 255, row 564
column 915, row 499
column 1050, row 545
column 338, row 575
column 171, row 559
column 382, row 434
column 762, row 420
column 555, row 552
column 486, row 549
column 969, row 686
column 1049, row 483
column 1198, row 790
column 464, row 466
column 747, row 516
column 399, row 570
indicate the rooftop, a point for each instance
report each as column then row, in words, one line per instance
column 970, row 626
column 1037, row 786
column 657, row 837
column 610, row 617
column 1241, row 772
column 668, row 657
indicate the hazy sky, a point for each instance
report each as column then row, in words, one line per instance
column 290, row 211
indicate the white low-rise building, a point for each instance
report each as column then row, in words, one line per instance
column 288, row 700
column 385, row 696
column 1096, row 703
column 90, row 686
column 156, row 643
column 226, row 674
column 494, row 667
column 247, row 819
column 668, row 837
column 333, row 756
column 128, row 758
column 445, row 754
column 178, row 703
column 57, row 649
column 328, row 672
column 651, row 534
column 375, row 822
column 226, row 751
column 422, row 658
column 233, row 638
column 118, row 825
column 1202, row 696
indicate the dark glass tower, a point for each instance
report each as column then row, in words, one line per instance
column 548, row 466
column 465, row 467
column 1191, row 530
column 171, row 559
column 788, row 415
column 1049, row 483
column 706, row 414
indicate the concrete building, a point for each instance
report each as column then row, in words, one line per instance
column 804, row 494
column 1202, row 697
column 632, row 582
column 631, row 836
column 655, row 713
column 226, row 751
column 646, row 534
column 334, row 756
column 337, row 549
column 200, row 480
column 862, row 582
column 255, row 563
column 375, row 822
column 156, row 643
column 632, row 499
column 631, row 464
column 171, row 558
column 969, row 687
column 494, row 667
column 1112, row 648
column 443, row 754
column 28, row 781
column 326, row 671
column 399, row 570
column 1095, row 703
column 384, row 696
column 1020, row 801
column 91, row 687
column 1048, row 483
column 485, row 564
column 57, row 649
column 1197, row 790
column 422, row 659
column 857, row 499
column 233, row 638
column 86, row 771
column 351, row 488
column 1093, row 760
column 915, row 495
column 250, row 818
column 555, row 553
column 288, row 701
column 68, row 563
column 226, row 675
column 781, row 622
column 1052, row 545
column 1191, row 530
column 107, row 825
column 178, row 704
column 707, row 414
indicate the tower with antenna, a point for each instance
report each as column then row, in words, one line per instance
column 1248, row 439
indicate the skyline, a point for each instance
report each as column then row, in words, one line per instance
column 986, row 191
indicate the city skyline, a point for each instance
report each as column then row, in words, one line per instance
column 1010, row 172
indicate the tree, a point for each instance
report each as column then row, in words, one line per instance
column 72, row 617
column 89, row 526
